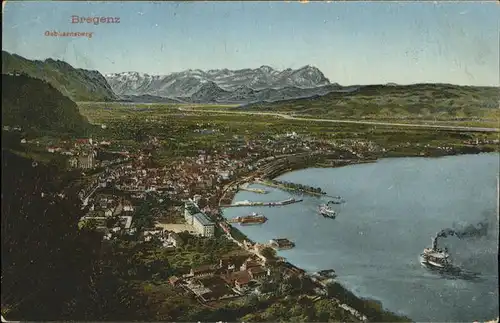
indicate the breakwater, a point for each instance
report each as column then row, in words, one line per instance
column 248, row 203
column 293, row 187
column 245, row 187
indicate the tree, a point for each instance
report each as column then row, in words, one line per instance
column 46, row 260
column 252, row 300
column 276, row 311
column 112, row 221
column 143, row 217
column 252, row 317
column 87, row 224
column 51, row 268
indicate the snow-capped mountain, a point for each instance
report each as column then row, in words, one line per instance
column 187, row 83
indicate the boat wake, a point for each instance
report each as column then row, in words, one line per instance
column 453, row 272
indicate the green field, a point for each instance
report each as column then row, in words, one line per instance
column 177, row 130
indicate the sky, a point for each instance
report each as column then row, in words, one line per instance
column 350, row 42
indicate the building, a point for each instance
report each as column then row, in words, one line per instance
column 84, row 161
column 257, row 273
column 174, row 281
column 198, row 220
column 127, row 207
column 203, row 225
column 249, row 263
column 201, row 271
column 174, row 239
column 242, row 283
column 189, row 210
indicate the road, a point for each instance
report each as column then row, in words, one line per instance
column 376, row 123
column 85, row 200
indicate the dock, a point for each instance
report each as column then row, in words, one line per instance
column 270, row 204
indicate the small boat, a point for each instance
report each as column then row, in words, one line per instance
column 336, row 200
column 327, row 212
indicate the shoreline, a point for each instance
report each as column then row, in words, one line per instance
column 341, row 290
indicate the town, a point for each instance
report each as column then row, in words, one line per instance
column 176, row 206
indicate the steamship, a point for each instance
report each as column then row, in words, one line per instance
column 435, row 257
column 326, row 211
column 253, row 218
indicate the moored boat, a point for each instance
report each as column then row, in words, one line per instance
column 290, row 201
column 336, row 200
column 281, row 243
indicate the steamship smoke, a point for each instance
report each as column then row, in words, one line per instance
column 478, row 230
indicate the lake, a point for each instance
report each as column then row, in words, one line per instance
column 393, row 209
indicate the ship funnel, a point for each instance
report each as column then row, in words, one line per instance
column 434, row 243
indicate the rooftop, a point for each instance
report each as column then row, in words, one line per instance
column 202, row 218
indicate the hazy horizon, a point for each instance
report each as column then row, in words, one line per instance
column 354, row 43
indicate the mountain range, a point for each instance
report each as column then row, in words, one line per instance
column 243, row 86
column 223, row 85
column 305, row 90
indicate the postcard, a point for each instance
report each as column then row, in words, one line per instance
column 287, row 161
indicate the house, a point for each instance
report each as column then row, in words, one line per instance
column 128, row 208
column 73, row 162
column 230, row 278
column 81, row 142
column 174, row 281
column 149, row 234
column 224, row 175
column 242, row 281
column 206, row 270
column 291, row 270
column 257, row 273
column 155, row 231
column 249, row 263
column 227, row 263
column 175, row 239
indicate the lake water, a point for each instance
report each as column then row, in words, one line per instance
column 393, row 208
